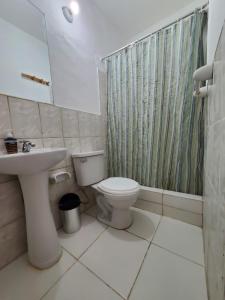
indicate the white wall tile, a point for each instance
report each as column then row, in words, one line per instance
column 11, row 202
column 192, row 204
column 2, row 147
column 7, row 178
column 5, row 123
column 92, row 143
column 25, row 118
column 214, row 178
column 73, row 146
column 183, row 195
column 182, row 215
column 55, row 143
column 51, row 122
column 46, row 126
column 149, row 206
column 12, row 241
column 151, row 194
column 70, row 123
column 90, row 125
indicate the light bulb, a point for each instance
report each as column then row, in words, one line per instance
column 75, row 8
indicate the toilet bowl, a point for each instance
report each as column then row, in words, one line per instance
column 114, row 195
column 114, row 198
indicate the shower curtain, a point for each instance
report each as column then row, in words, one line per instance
column 155, row 125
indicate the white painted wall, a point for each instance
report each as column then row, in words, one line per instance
column 75, row 50
column 21, row 52
column 170, row 18
column 216, row 21
column 135, row 16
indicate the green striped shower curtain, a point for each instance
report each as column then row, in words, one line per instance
column 155, row 125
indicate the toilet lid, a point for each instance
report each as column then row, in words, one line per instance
column 118, row 185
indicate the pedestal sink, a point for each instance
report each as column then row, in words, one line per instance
column 32, row 168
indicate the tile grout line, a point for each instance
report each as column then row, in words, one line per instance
column 13, row 221
column 74, row 257
column 136, row 235
column 58, row 280
column 102, row 280
column 179, row 255
column 150, row 243
column 10, row 116
column 78, row 258
column 93, row 242
column 126, row 230
column 147, row 251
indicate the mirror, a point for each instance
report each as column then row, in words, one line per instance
column 24, row 58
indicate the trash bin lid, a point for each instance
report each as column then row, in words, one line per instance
column 69, row 201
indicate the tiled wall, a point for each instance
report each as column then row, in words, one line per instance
column 46, row 126
column 214, row 180
column 184, row 207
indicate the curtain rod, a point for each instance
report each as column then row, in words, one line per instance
column 203, row 8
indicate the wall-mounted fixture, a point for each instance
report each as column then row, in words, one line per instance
column 202, row 92
column 36, row 79
column 75, row 8
column 202, row 74
column 58, row 177
column 71, row 11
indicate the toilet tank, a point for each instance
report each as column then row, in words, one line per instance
column 89, row 167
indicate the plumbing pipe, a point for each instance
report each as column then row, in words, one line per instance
column 204, row 73
column 202, row 92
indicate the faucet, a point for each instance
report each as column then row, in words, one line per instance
column 27, row 145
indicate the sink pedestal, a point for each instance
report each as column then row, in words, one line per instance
column 44, row 249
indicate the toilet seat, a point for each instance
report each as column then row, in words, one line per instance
column 118, row 186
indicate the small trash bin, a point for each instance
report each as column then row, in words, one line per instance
column 69, row 206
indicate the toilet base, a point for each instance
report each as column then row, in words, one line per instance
column 120, row 219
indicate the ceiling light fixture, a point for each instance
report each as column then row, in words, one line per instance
column 69, row 12
column 75, row 8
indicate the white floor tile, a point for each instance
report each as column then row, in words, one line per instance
column 78, row 242
column 80, row 284
column 181, row 238
column 20, row 281
column 166, row 276
column 116, row 258
column 144, row 223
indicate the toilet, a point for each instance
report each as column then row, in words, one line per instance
column 114, row 195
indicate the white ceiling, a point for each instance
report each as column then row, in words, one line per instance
column 132, row 17
column 24, row 15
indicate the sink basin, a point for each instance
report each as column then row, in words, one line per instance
column 32, row 162
column 32, row 168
